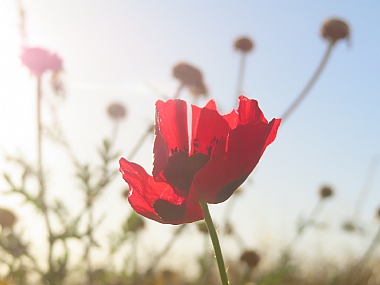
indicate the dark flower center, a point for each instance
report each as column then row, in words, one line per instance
column 169, row 212
column 181, row 169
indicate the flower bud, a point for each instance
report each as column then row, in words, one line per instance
column 251, row 258
column 244, row 44
column 116, row 111
column 325, row 192
column 334, row 30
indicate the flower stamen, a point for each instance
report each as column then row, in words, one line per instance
column 181, row 169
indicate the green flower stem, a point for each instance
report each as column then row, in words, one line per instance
column 215, row 243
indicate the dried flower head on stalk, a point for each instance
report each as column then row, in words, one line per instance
column 190, row 77
column 244, row 44
column 334, row 30
column 40, row 60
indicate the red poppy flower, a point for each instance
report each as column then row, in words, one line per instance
column 39, row 60
column 222, row 152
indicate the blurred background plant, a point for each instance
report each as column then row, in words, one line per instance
column 72, row 249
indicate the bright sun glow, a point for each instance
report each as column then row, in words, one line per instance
column 16, row 100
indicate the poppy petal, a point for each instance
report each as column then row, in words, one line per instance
column 171, row 133
column 157, row 200
column 225, row 172
column 209, row 126
column 249, row 111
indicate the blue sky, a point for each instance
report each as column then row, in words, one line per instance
column 113, row 49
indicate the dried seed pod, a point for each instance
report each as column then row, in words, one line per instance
column 116, row 111
column 325, row 192
column 187, row 74
column 244, row 44
column 7, row 218
column 334, row 30
column 251, row 258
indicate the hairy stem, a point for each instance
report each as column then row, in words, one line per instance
column 215, row 243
